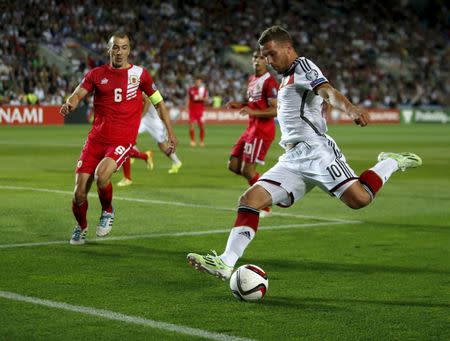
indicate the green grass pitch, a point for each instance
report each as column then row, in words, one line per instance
column 380, row 273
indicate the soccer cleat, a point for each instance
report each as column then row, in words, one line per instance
column 124, row 182
column 193, row 144
column 149, row 159
column 175, row 168
column 78, row 236
column 265, row 212
column 202, row 144
column 404, row 160
column 210, row 264
column 105, row 224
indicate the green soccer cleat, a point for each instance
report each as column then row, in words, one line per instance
column 175, row 168
column 404, row 160
column 78, row 236
column 210, row 264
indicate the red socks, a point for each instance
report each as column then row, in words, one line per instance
column 253, row 180
column 247, row 217
column 105, row 196
column 126, row 168
column 202, row 133
column 79, row 211
column 134, row 152
column 192, row 134
column 371, row 180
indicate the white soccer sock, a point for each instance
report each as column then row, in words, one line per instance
column 175, row 158
column 384, row 169
column 238, row 241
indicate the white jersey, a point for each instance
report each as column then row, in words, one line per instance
column 152, row 124
column 299, row 107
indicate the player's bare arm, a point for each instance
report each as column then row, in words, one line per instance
column 163, row 113
column 271, row 111
column 73, row 100
column 340, row 102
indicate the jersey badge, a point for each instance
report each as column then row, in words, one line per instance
column 104, row 81
column 312, row 75
column 133, row 80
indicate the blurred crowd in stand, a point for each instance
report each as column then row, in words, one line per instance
column 378, row 53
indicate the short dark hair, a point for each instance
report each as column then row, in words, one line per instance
column 275, row 33
column 119, row 34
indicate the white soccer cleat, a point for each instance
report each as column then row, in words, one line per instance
column 404, row 160
column 105, row 224
column 265, row 212
column 124, row 182
column 210, row 264
column 78, row 236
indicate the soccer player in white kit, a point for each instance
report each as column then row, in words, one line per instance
column 311, row 158
column 152, row 124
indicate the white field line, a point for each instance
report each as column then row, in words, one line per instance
column 176, row 203
column 175, row 234
column 111, row 315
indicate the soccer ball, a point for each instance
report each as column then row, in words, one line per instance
column 249, row 283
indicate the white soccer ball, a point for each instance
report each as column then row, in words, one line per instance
column 249, row 283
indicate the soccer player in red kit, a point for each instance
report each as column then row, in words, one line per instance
column 252, row 146
column 196, row 98
column 118, row 88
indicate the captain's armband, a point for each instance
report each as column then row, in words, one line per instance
column 156, row 97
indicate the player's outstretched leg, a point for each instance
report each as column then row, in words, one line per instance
column 404, row 160
column 211, row 264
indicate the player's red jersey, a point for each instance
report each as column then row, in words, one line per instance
column 260, row 90
column 117, row 101
column 197, row 97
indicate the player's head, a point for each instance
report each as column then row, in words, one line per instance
column 198, row 81
column 259, row 62
column 119, row 49
column 278, row 48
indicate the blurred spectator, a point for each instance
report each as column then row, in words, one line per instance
column 385, row 53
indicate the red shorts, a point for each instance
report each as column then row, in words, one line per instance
column 251, row 149
column 94, row 151
column 195, row 116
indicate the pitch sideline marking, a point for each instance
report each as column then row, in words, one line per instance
column 173, row 234
column 112, row 315
column 176, row 203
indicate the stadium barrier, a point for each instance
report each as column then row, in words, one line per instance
column 49, row 115
column 30, row 115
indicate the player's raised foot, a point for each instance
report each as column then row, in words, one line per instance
column 105, row 224
column 78, row 236
column 175, row 168
column 404, row 160
column 210, row 264
column 124, row 182
column 149, row 160
column 265, row 212
column 192, row 143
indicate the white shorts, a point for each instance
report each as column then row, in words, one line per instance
column 316, row 162
column 152, row 124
